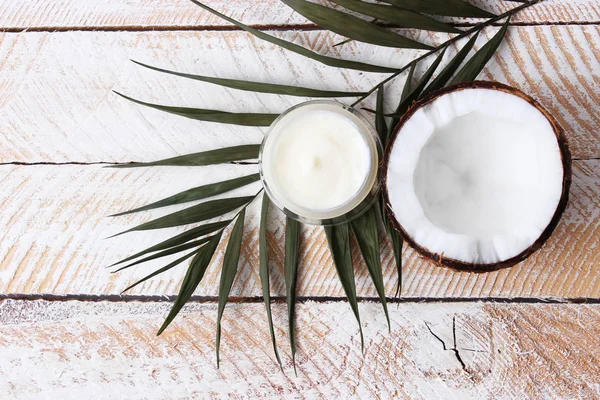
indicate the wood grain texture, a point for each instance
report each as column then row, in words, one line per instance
column 56, row 103
column 54, row 225
column 75, row 350
column 174, row 14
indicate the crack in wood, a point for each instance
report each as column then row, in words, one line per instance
column 454, row 349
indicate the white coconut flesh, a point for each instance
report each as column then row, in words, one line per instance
column 475, row 176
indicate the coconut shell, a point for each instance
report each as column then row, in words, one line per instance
column 439, row 259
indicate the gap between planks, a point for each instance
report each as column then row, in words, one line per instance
column 182, row 14
column 299, row 299
column 67, row 163
column 261, row 27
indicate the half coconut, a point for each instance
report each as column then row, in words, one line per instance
column 476, row 176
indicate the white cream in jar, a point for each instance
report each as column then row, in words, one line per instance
column 319, row 160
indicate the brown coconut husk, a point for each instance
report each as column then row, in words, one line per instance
column 439, row 259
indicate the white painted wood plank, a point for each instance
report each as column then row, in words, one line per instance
column 56, row 103
column 152, row 14
column 54, row 224
column 74, row 350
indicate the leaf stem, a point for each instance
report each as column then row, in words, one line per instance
column 466, row 33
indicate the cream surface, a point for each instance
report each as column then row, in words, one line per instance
column 316, row 158
column 475, row 175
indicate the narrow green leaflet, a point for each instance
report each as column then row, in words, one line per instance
column 397, row 243
column 263, row 253
column 380, row 124
column 367, row 236
column 449, row 8
column 408, row 85
column 331, row 61
column 191, row 215
column 401, row 107
column 179, row 239
column 395, row 15
column 452, row 66
column 351, row 26
column 338, row 237
column 259, row 87
column 210, row 157
column 476, row 64
column 197, row 193
column 292, row 249
column 201, row 114
column 192, row 278
column 230, row 266
column 416, row 91
column 161, row 270
column 168, row 252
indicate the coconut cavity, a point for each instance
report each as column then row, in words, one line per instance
column 475, row 175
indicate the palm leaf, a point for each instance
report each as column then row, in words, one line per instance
column 179, row 239
column 449, row 8
column 258, row 87
column 197, row 193
column 395, row 15
column 338, row 237
column 397, row 243
column 380, row 123
column 333, row 62
column 452, row 66
column 191, row 215
column 367, row 237
column 292, row 248
column 476, row 64
column 263, row 252
column 192, row 278
column 401, row 107
column 161, row 270
column 168, row 252
column 201, row 114
column 210, row 157
column 230, row 264
column 351, row 26
column 408, row 85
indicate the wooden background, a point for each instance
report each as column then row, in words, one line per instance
column 67, row 333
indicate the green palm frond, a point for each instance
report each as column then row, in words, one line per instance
column 201, row 114
column 200, row 243
column 292, row 251
column 230, row 266
column 211, row 157
column 351, row 26
column 258, row 87
column 338, row 238
column 402, row 17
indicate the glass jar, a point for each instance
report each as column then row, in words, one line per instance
column 354, row 205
